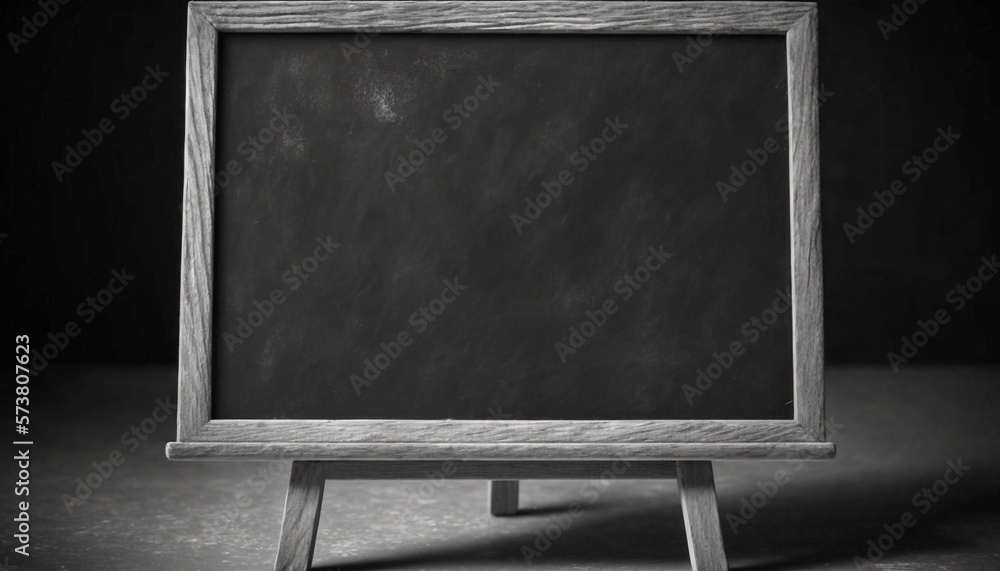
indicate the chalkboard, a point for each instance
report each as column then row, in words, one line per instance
column 647, row 204
column 439, row 221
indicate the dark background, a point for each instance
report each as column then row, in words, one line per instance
column 120, row 208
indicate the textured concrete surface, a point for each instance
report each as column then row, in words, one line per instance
column 895, row 435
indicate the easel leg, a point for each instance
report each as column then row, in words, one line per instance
column 503, row 497
column 696, row 483
column 301, row 520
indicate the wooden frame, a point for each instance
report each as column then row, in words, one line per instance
column 201, row 437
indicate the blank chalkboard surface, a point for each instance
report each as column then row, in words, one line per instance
column 530, row 227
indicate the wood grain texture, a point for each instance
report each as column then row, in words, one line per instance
column 503, row 497
column 696, row 483
column 499, row 431
column 476, row 470
column 200, row 437
column 807, row 252
column 301, row 519
column 518, row 17
column 504, row 452
column 195, row 358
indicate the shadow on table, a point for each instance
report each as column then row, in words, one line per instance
column 829, row 522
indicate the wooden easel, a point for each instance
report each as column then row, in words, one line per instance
column 695, row 481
